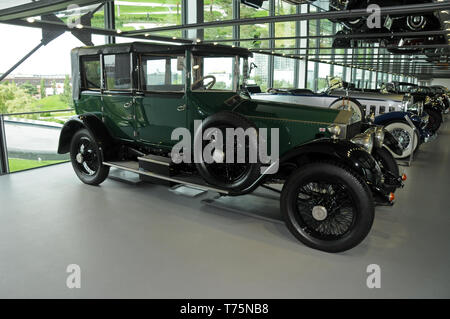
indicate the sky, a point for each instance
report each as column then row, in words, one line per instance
column 52, row 59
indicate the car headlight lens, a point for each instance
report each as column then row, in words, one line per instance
column 335, row 130
column 416, row 107
column 364, row 140
column 406, row 102
column 378, row 135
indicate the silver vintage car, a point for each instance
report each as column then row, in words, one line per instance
column 363, row 102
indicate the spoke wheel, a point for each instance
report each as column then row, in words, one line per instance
column 86, row 158
column 325, row 210
column 327, row 207
column 403, row 133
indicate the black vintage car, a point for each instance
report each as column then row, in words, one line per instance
column 390, row 23
column 435, row 100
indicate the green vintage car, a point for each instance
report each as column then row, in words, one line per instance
column 132, row 99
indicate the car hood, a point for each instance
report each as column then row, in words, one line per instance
column 369, row 95
column 280, row 111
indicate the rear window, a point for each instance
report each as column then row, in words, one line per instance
column 90, row 66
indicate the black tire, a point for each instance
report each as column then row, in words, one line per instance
column 86, row 158
column 434, row 121
column 312, row 232
column 387, row 163
column 235, row 176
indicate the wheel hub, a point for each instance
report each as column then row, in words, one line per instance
column 218, row 156
column 319, row 213
column 79, row 158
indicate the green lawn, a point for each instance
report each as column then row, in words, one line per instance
column 18, row 164
column 52, row 102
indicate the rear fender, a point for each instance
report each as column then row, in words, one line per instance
column 86, row 121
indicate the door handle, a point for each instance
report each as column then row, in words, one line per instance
column 181, row 108
column 128, row 105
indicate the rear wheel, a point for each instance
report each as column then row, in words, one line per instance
column 86, row 158
column 327, row 207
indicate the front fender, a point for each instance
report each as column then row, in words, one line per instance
column 88, row 121
column 391, row 143
column 386, row 118
column 342, row 151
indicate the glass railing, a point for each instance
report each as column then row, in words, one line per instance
column 31, row 138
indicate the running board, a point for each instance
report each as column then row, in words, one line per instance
column 194, row 181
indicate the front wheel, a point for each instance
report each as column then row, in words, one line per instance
column 327, row 207
column 86, row 158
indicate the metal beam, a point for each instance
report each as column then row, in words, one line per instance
column 391, row 10
column 110, row 20
column 93, row 30
column 341, row 36
column 42, row 7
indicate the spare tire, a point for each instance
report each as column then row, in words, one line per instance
column 349, row 104
column 228, row 175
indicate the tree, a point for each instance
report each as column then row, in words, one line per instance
column 14, row 99
column 67, row 93
column 42, row 88
column 54, row 87
column 30, row 88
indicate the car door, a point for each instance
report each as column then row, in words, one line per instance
column 161, row 104
column 118, row 99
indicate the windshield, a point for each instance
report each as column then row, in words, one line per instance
column 213, row 73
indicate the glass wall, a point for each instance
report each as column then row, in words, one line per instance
column 135, row 15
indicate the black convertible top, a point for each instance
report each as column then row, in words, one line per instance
column 147, row 47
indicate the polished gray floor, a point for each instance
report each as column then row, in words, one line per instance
column 145, row 241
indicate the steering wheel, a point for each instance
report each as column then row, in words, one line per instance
column 200, row 85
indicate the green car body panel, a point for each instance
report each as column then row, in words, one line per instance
column 154, row 117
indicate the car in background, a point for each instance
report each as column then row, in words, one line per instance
column 390, row 23
column 435, row 100
column 363, row 104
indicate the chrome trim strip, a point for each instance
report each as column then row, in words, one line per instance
column 153, row 161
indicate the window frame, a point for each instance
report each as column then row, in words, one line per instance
column 84, row 86
column 104, row 81
column 157, row 56
column 235, row 71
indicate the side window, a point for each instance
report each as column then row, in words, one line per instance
column 163, row 74
column 117, row 72
column 90, row 69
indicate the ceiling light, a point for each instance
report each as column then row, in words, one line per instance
column 198, row 40
column 215, row 43
column 147, row 34
column 174, row 38
column 79, row 26
column 31, row 19
column 119, row 31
